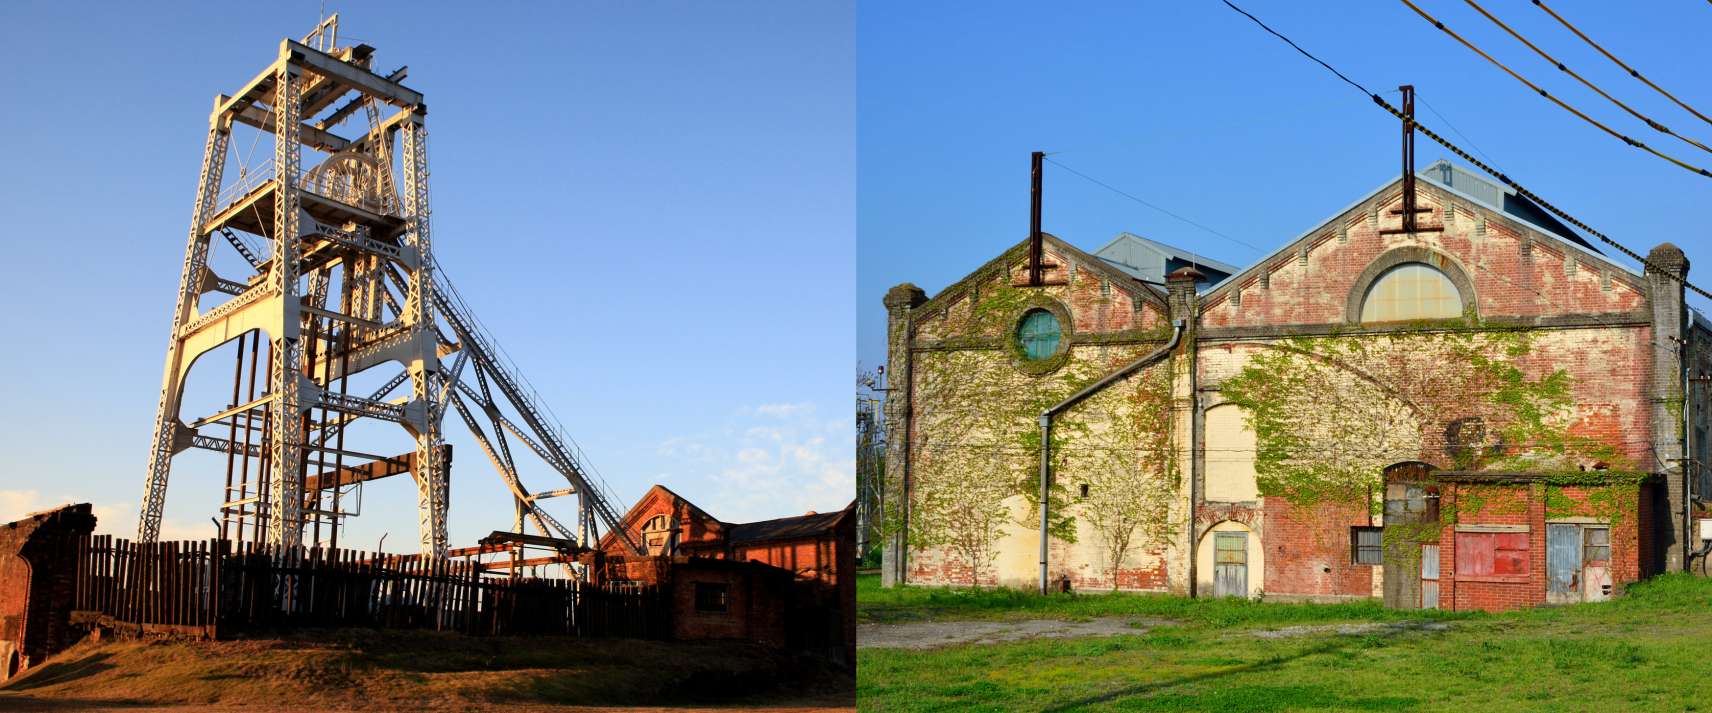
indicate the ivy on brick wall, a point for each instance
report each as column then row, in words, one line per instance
column 1129, row 464
column 976, row 441
column 1331, row 412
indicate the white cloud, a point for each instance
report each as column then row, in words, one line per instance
column 15, row 504
column 773, row 460
column 111, row 518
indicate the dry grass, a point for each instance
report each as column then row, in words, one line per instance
column 374, row 670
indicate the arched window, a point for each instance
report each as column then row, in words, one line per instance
column 1411, row 291
column 1039, row 334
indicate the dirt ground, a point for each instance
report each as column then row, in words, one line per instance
column 388, row 671
column 40, row 705
column 1382, row 628
column 22, row 704
column 930, row 634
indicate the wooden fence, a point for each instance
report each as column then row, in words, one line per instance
column 216, row 584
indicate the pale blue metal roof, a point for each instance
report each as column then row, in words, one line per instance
column 1152, row 261
column 1501, row 197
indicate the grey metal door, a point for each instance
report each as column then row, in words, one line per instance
column 1230, row 564
column 1429, row 576
column 1563, row 563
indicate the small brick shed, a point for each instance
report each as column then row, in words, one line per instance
column 711, row 598
column 816, row 550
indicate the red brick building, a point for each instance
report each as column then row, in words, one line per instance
column 789, row 581
column 1488, row 386
column 710, row 598
column 38, row 563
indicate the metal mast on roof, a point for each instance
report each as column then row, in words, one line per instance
column 1036, row 251
column 327, row 248
column 1408, row 158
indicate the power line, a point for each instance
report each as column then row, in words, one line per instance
column 1299, row 49
column 1501, row 177
column 1619, row 62
column 1541, row 201
column 1157, row 208
column 1212, row 128
column 1543, row 93
column 1453, row 128
column 1567, row 70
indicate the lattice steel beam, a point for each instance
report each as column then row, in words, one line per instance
column 320, row 227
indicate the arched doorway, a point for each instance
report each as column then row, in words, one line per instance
column 1230, row 562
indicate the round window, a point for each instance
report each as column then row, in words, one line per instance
column 1039, row 334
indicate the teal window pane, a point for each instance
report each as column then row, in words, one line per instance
column 1039, row 334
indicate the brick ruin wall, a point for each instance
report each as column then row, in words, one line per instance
column 38, row 565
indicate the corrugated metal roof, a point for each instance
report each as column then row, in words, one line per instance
column 1501, row 197
column 1464, row 180
column 1152, row 260
column 783, row 528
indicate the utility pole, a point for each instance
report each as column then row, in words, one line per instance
column 1408, row 158
column 1036, row 252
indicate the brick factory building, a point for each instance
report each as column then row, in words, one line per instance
column 1479, row 412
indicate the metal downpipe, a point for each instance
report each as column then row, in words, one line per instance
column 1061, row 407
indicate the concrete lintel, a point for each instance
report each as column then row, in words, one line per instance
column 1491, row 528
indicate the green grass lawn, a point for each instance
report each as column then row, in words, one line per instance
column 1643, row 652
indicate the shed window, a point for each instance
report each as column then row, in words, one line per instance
column 712, row 596
column 1502, row 556
column 1038, row 334
column 1411, row 291
column 1365, row 544
column 1596, row 544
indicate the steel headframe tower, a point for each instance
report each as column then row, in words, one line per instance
column 328, row 247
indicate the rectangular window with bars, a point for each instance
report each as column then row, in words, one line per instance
column 1366, row 545
column 712, row 596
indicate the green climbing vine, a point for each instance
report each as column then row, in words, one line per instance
column 976, row 448
column 1129, row 466
column 1332, row 412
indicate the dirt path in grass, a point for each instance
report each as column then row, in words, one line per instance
column 930, row 634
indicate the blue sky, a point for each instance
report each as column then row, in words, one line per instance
column 652, row 206
column 953, row 97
